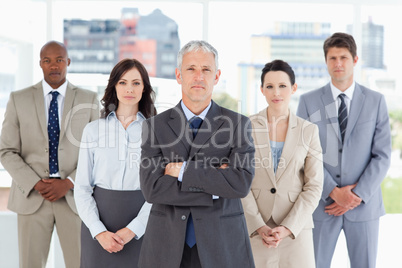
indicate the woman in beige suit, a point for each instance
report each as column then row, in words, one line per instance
column 288, row 177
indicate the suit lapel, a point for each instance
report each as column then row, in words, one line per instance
column 40, row 107
column 212, row 122
column 261, row 135
column 356, row 106
column 68, row 105
column 292, row 138
column 331, row 110
column 178, row 124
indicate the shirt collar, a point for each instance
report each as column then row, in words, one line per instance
column 189, row 114
column 348, row 92
column 47, row 88
column 140, row 116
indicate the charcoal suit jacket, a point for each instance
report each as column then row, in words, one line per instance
column 220, row 227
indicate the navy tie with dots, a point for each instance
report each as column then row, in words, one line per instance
column 53, row 130
column 195, row 124
column 342, row 116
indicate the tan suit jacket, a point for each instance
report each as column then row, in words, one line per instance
column 24, row 144
column 291, row 195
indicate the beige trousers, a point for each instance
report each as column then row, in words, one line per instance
column 35, row 233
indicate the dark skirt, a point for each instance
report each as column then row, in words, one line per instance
column 116, row 210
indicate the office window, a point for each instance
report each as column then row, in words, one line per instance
column 142, row 30
column 247, row 34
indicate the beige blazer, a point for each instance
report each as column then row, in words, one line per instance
column 291, row 195
column 24, row 144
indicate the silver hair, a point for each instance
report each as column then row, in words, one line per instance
column 195, row 46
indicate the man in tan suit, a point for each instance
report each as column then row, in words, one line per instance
column 41, row 194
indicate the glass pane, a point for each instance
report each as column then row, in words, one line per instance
column 381, row 56
column 252, row 34
column 23, row 26
column 152, row 32
column 381, row 59
column 248, row 40
column 20, row 21
column 99, row 34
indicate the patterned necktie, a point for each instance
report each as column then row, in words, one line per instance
column 342, row 116
column 53, row 130
column 195, row 124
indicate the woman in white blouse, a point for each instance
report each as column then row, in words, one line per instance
column 107, row 187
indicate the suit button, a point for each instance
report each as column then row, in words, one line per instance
column 183, row 217
column 273, row 190
column 46, row 150
column 338, row 176
column 340, row 150
column 46, row 171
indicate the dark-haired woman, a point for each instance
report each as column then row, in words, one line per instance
column 288, row 177
column 107, row 187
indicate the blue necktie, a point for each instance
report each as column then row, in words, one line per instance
column 342, row 115
column 195, row 124
column 53, row 130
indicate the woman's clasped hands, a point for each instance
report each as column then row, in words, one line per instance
column 271, row 237
column 114, row 242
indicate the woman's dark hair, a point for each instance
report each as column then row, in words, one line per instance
column 278, row 65
column 111, row 103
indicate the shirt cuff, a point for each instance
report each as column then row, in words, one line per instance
column 72, row 181
column 180, row 178
column 137, row 228
column 97, row 228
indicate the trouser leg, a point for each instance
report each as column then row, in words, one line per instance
column 34, row 236
column 68, row 226
column 362, row 242
column 325, row 236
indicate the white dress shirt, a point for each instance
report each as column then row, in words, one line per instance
column 348, row 99
column 47, row 94
column 110, row 157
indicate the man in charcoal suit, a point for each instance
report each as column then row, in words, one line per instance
column 196, row 165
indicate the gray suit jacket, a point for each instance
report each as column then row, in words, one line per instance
column 220, row 227
column 24, row 142
column 365, row 156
